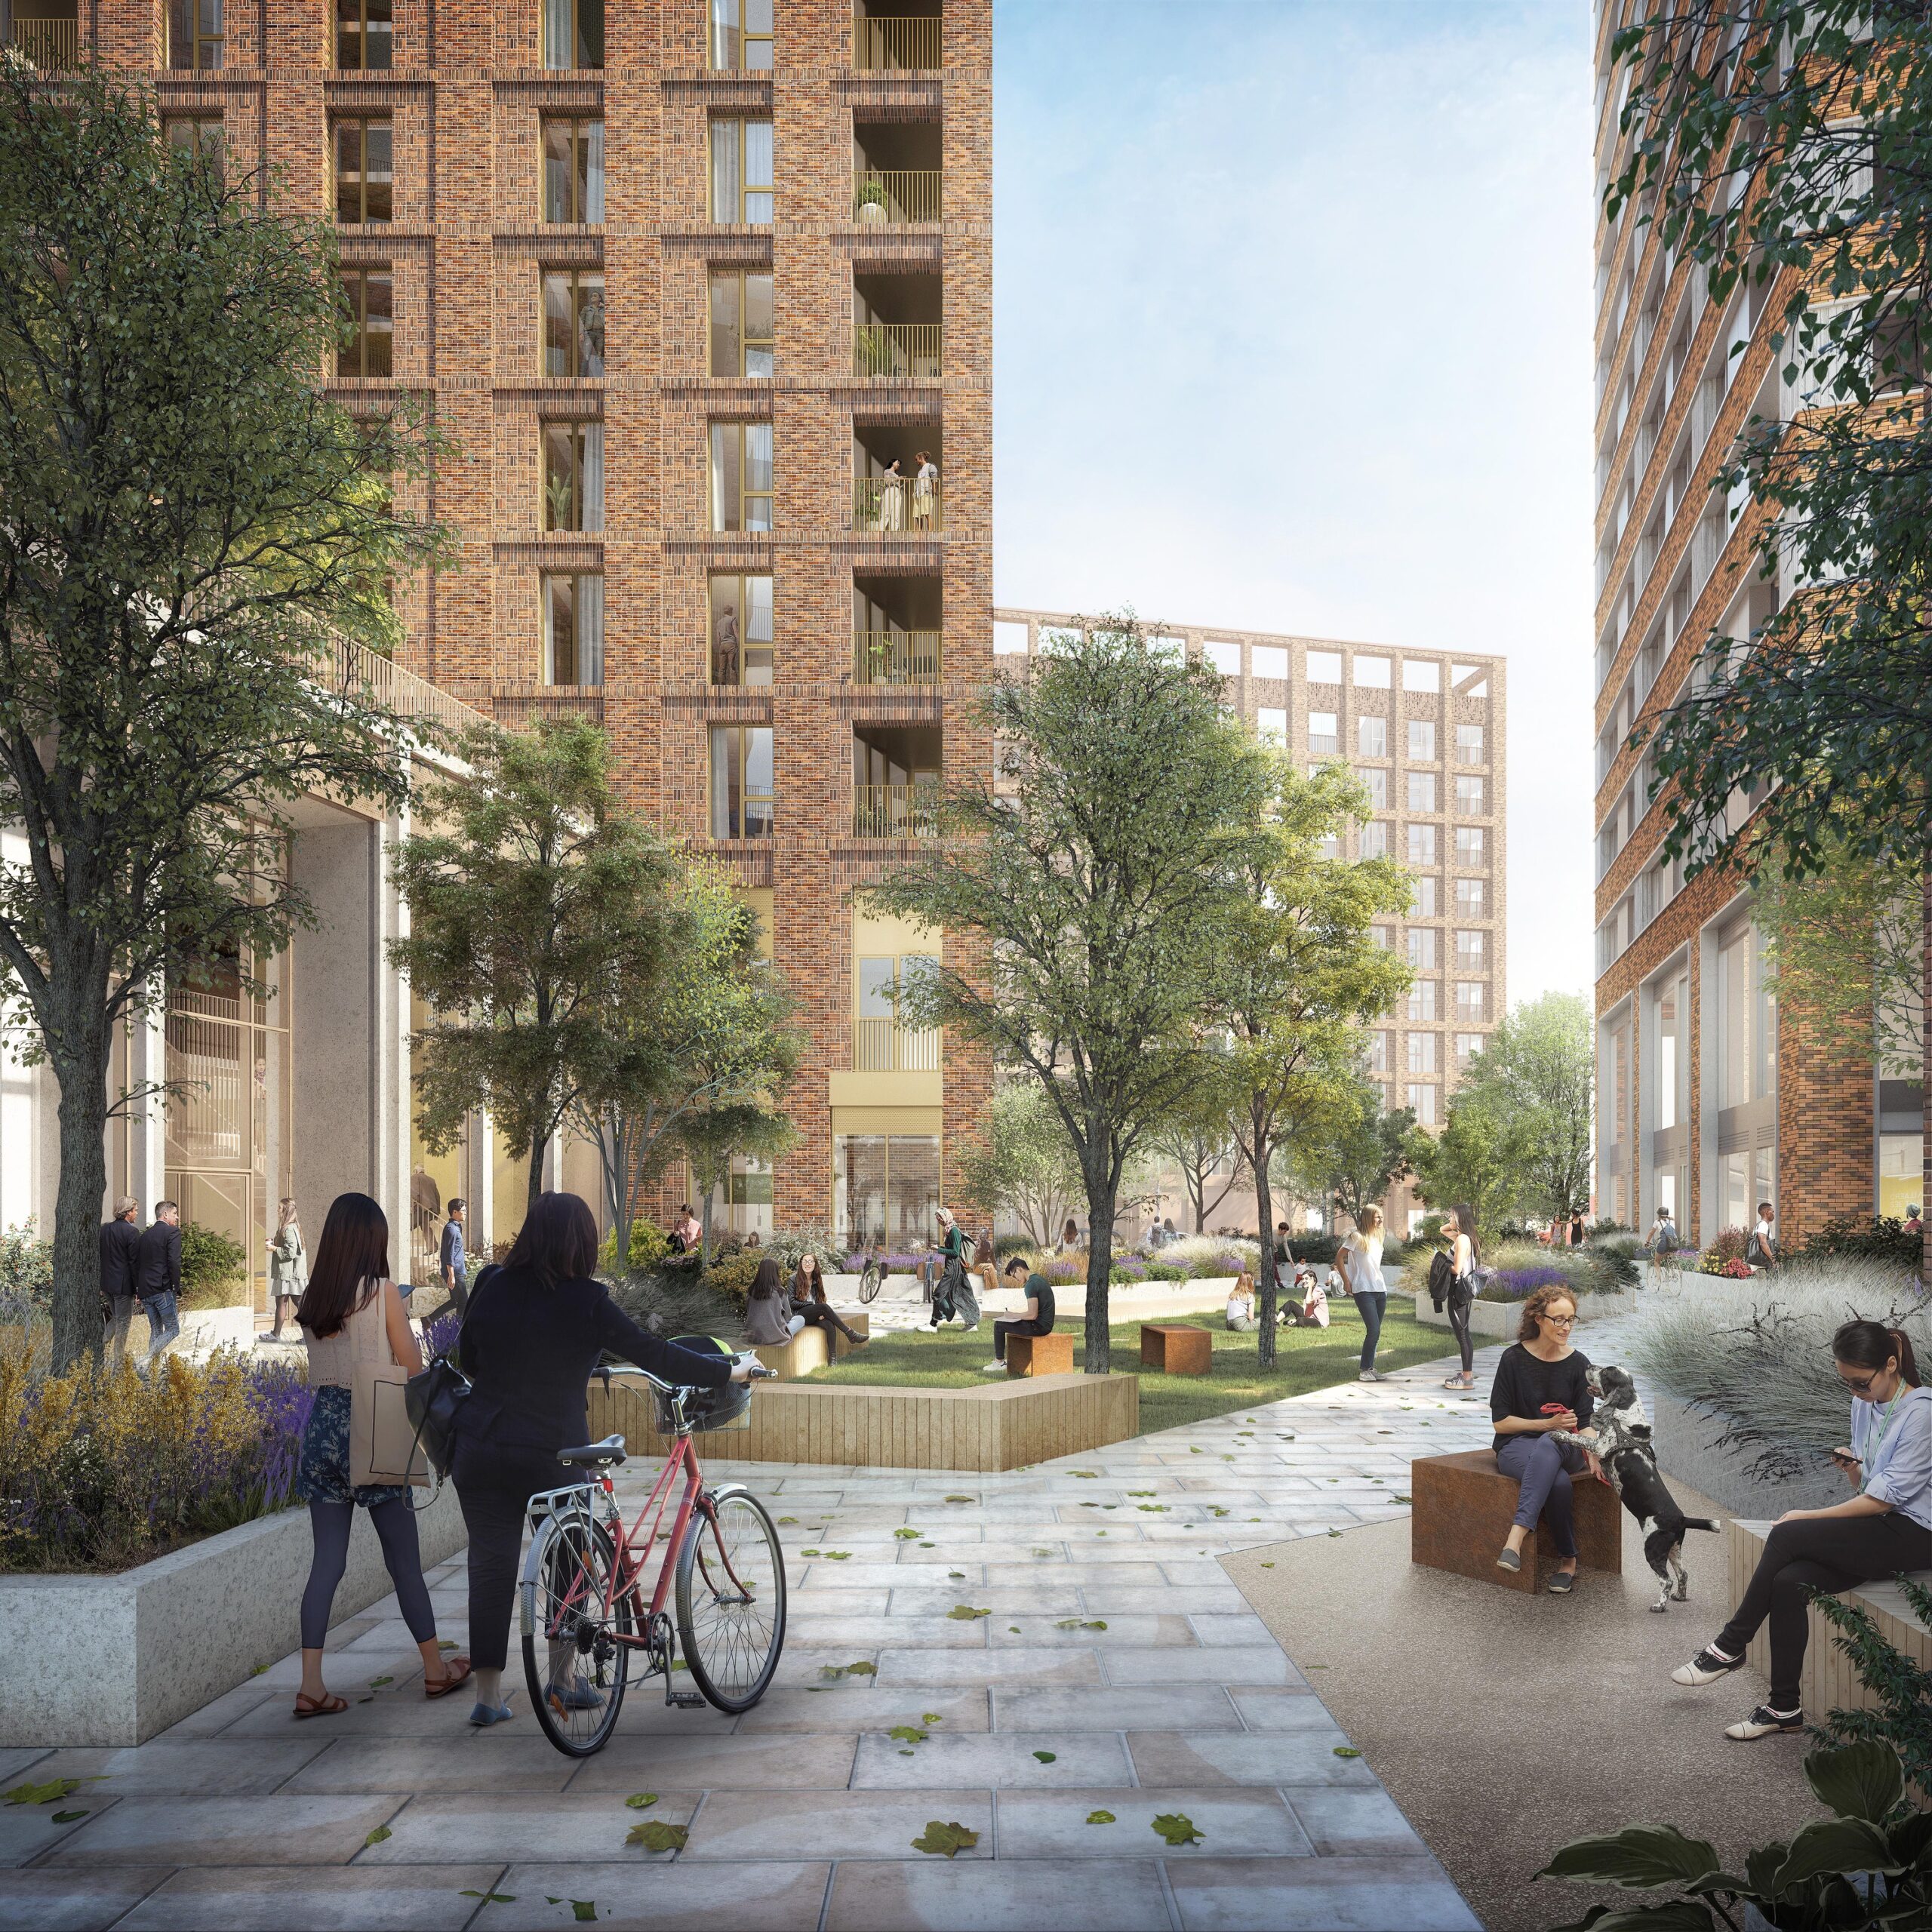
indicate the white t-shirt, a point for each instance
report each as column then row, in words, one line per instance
column 1365, row 1267
column 1240, row 1306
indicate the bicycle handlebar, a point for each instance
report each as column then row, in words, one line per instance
column 630, row 1372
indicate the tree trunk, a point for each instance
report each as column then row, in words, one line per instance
column 703, row 1225
column 1101, row 1194
column 540, row 1146
column 1925, row 1080
column 78, row 1203
column 1264, row 1214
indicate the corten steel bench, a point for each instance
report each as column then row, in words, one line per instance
column 1461, row 1509
column 1175, row 1349
column 1039, row 1354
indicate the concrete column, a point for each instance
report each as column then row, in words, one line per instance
column 390, row 1068
column 146, row 1040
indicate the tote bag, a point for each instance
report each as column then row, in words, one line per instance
column 383, row 1444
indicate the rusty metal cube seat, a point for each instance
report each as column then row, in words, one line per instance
column 1176, row 1348
column 1461, row 1508
column 1039, row 1354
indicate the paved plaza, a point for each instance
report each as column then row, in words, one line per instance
column 1117, row 1677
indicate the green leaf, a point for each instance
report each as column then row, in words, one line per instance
column 497, row 1898
column 965, row 1612
column 1833, row 1845
column 584, row 1911
column 907, row 1734
column 655, row 1835
column 1101, row 1818
column 1671, row 1915
column 808, row 1552
column 448, row 1644
column 377, row 1683
column 1143, row 1492
column 1068, row 1623
column 909, row 1536
column 45, row 1794
column 1151, row 1509
column 837, row 1555
column 1094, row 1623
column 1086, row 1475
column 1176, row 1828
column 642, row 1801
column 945, row 1841
column 378, row 1835
column 1047, row 1756
column 956, row 1575
column 1910, row 1840
column 1638, row 1857
column 1346, row 1750
column 962, row 1499
column 67, row 1817
column 1042, row 1552
column 258, row 1669
column 1861, row 1780
column 788, row 1519
column 862, row 1668
column 930, row 1717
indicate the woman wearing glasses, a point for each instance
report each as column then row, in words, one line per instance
column 1539, row 1388
column 1884, row 1529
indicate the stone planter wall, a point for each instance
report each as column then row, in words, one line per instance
column 113, row 1660
column 1498, row 1321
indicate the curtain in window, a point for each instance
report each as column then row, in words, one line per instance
column 726, row 183
column 590, row 630
column 558, row 35
column 593, row 476
column 593, row 171
column 758, row 171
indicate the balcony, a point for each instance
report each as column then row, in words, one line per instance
column 51, row 45
column 895, row 194
column 898, row 811
column 909, row 351
column 896, row 657
column 894, row 42
column 899, row 503
column 883, row 1046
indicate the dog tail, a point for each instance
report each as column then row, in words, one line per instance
column 1702, row 1523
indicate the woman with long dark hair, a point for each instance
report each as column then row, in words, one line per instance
column 350, row 1312
column 768, row 1317
column 1465, row 1253
column 535, row 1328
column 1885, row 1528
column 808, row 1301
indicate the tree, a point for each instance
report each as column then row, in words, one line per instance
column 1095, row 881
column 1783, row 143
column 728, row 1123
column 538, row 908
column 1470, row 1163
column 1300, row 973
column 193, row 543
column 1370, row 1149
column 1200, row 1141
column 1022, row 1163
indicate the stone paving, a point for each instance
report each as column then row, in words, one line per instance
column 1117, row 1671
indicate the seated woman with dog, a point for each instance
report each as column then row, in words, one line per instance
column 1541, row 1389
column 1885, row 1528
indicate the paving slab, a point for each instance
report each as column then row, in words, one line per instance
column 557, row 1827
column 203, row 1767
column 1233, row 1822
column 1016, row 1761
column 424, row 1898
column 772, row 1896
column 855, row 1824
column 57, row 1900
column 226, row 1831
column 1326, row 1895
column 939, row 1895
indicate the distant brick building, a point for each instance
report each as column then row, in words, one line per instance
column 697, row 292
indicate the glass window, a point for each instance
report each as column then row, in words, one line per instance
column 1419, row 675
column 1422, row 791
column 741, row 476
column 1901, row 1174
column 1378, row 1052
column 1421, row 1052
column 1271, row 661
column 195, row 33
column 1372, row 841
column 364, row 34
column 573, row 33
column 1469, row 744
column 1671, row 1095
column 1471, row 1000
column 1468, row 1045
column 885, row 1189
column 1747, row 1023
column 1372, row 673
column 1271, row 725
column 194, row 133
column 1421, row 946
column 741, row 37
column 742, row 186
column 741, row 630
column 741, row 322
column 573, row 476
column 1422, row 1101
column 364, row 175
column 1009, row 640
column 1422, row 741
column 1422, row 845
column 884, row 1043
column 1425, row 892
column 573, row 322
column 1469, row 896
column 1468, row 948
column 369, row 349
column 572, row 171
column 1468, row 845
column 573, row 628
column 1375, row 780
column 1324, row 738
column 1372, row 737
column 1469, row 794
column 742, row 805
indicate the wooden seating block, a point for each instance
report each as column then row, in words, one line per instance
column 1176, row 1349
column 804, row 1352
column 1039, row 1354
column 1461, row 1508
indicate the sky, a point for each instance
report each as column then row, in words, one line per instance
column 1292, row 332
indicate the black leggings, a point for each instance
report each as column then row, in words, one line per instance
column 822, row 1315
column 494, row 1482
column 1458, row 1307
column 329, row 1523
column 1003, row 1329
column 1829, row 1553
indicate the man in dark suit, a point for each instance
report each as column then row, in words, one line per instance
column 158, row 1279
column 120, row 1242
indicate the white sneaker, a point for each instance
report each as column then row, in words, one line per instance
column 1706, row 1667
column 994, row 1368
column 1369, row 1375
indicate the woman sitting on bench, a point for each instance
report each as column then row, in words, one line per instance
column 1036, row 1318
column 769, row 1318
column 1539, row 1387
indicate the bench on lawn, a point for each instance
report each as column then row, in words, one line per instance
column 1039, row 1354
column 1461, row 1508
column 1175, row 1348
column 806, row 1350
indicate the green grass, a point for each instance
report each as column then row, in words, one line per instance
column 1305, row 1358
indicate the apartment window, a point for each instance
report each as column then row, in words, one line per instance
column 1422, row 741
column 1468, row 845
column 573, row 476
column 1324, row 739
column 1378, row 1052
column 741, row 35
column 1425, row 905
column 1421, row 1052
column 1324, row 667
column 742, row 804
column 364, row 36
column 1469, row 896
column 370, row 294
column 1372, row 841
column 195, row 33
column 194, row 133
column 1271, row 661
column 883, row 1042
column 1468, row 948
column 1422, row 845
column 1422, row 1000
column 573, row 628
column 1469, row 794
column 573, row 33
column 573, row 322
column 364, row 175
column 1271, row 724
column 1421, row 1102
column 741, row 476
column 1422, row 791
column 1421, row 946
column 741, row 322
column 574, row 170
column 1469, row 744
column 1468, row 1045
column 1383, row 936
column 1372, row 737
column 742, row 651
column 1471, row 1000
column 741, row 170
column 1375, row 782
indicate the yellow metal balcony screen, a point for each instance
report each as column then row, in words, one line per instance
column 897, row 41
column 883, row 1046
column 895, row 811
column 49, row 44
column 896, row 657
column 896, row 194
column 896, row 348
column 904, row 503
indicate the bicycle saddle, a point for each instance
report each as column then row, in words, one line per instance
column 605, row 1455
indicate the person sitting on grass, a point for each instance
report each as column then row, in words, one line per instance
column 1539, row 1387
column 1036, row 1318
column 1311, row 1311
column 1241, row 1304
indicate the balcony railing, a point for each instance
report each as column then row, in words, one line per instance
column 883, row 1046
column 898, row 503
column 896, row 348
column 49, row 44
column 896, row 194
column 898, row 41
column 896, row 657
column 895, row 811
column 381, row 680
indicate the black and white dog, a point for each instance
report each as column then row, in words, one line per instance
column 1621, row 1440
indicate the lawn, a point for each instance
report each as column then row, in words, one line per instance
column 1305, row 1358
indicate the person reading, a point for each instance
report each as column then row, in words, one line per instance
column 1036, row 1318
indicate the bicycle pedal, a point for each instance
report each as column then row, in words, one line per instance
column 688, row 1700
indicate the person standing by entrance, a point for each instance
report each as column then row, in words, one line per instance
column 120, row 1246
column 1465, row 1252
column 288, row 1265
column 1360, row 1259
column 158, row 1279
column 451, row 1261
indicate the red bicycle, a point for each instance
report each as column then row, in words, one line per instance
column 583, row 1613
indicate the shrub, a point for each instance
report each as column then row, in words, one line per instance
column 731, row 1277
column 1580, row 1270
column 214, row 1268
column 26, row 1275
column 1318, row 1250
column 1064, row 1270
column 1902, row 1719
column 1164, row 1270
column 1213, row 1254
column 792, row 1248
column 1867, row 1238
column 1729, row 1246
column 679, row 1302
column 1519, row 1283
column 1009, row 1245
column 649, row 1245
column 1131, row 1270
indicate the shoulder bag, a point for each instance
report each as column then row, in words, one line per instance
column 434, row 1396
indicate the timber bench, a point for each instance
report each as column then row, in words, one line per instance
column 1039, row 1354
column 1461, row 1508
column 1174, row 1349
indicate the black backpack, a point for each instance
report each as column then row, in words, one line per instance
column 1442, row 1275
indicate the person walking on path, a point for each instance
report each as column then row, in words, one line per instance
column 1360, row 1259
column 535, row 1329
column 1036, row 1318
column 1466, row 1257
column 288, row 1265
column 120, row 1246
column 158, row 1279
column 1760, row 1247
column 452, row 1263
column 351, row 1313
column 1539, row 1388
column 809, row 1302
column 1885, row 1529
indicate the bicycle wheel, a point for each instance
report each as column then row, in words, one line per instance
column 573, row 1661
column 871, row 1281
column 731, row 1600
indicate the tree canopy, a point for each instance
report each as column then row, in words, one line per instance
column 1022, row 1163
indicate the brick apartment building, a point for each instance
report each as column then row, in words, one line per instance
column 1425, row 732
column 1709, row 1100
column 700, row 289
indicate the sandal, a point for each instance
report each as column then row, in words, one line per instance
column 455, row 1671
column 1457, row 1382
column 326, row 1705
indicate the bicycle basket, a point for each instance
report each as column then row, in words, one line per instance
column 704, row 1410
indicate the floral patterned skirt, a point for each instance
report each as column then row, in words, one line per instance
column 321, row 1475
